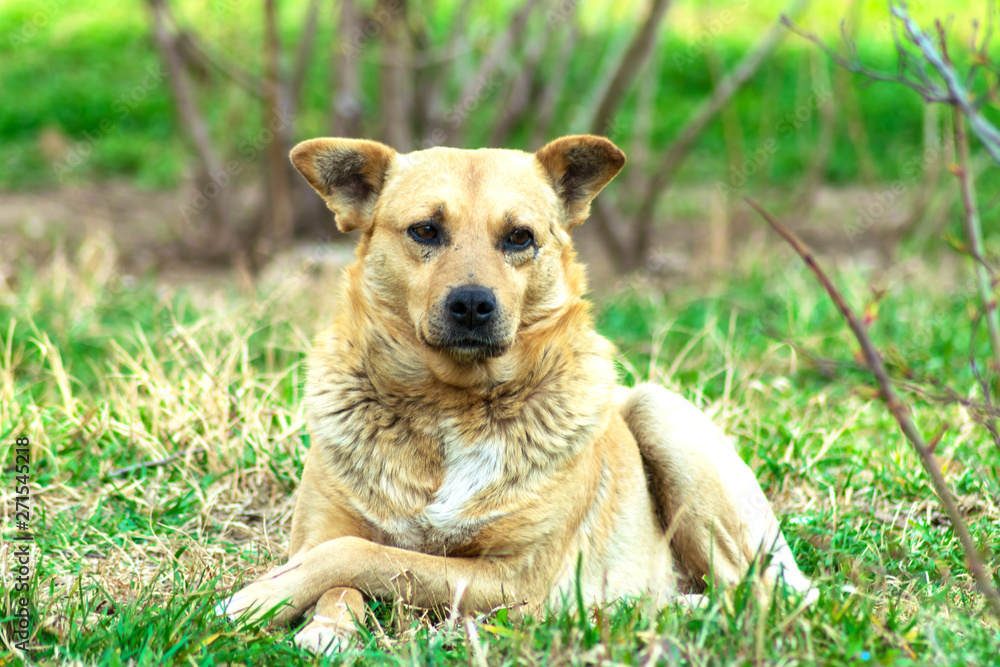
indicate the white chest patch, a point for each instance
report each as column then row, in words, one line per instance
column 443, row 522
column 468, row 470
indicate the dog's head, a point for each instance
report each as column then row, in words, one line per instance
column 467, row 247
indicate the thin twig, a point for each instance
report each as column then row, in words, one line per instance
column 974, row 236
column 959, row 94
column 899, row 411
column 989, row 422
column 911, row 382
column 981, row 53
column 929, row 93
column 121, row 472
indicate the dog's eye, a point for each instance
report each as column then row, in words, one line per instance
column 519, row 238
column 424, row 232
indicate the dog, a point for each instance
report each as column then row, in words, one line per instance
column 471, row 445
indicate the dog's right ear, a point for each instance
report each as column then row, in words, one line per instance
column 348, row 174
column 579, row 166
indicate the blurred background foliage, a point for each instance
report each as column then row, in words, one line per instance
column 86, row 97
column 65, row 66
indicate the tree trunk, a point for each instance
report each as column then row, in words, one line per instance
column 212, row 182
column 277, row 115
column 397, row 88
column 347, row 78
column 633, row 60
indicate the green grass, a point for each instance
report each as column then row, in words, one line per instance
column 103, row 374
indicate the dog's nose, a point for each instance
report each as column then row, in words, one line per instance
column 472, row 305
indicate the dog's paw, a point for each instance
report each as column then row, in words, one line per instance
column 323, row 636
column 256, row 601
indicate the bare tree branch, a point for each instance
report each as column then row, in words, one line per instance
column 696, row 124
column 899, row 411
column 958, row 93
column 396, row 94
column 607, row 225
column 929, row 93
column 520, row 94
column 129, row 469
column 347, row 84
column 974, row 236
column 557, row 83
column 220, row 230
column 973, row 228
column 989, row 419
column 501, row 52
column 640, row 152
column 304, row 54
column 633, row 60
column 221, row 63
column 982, row 52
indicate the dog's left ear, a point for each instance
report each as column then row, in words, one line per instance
column 348, row 174
column 579, row 166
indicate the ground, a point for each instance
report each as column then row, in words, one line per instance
column 167, row 433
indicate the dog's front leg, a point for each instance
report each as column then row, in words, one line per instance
column 389, row 573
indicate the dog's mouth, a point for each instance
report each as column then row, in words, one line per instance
column 467, row 348
column 474, row 348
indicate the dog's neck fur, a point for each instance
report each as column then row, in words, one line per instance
column 520, row 416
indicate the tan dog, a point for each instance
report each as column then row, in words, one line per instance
column 469, row 440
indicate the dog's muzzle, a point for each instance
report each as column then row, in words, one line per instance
column 469, row 325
